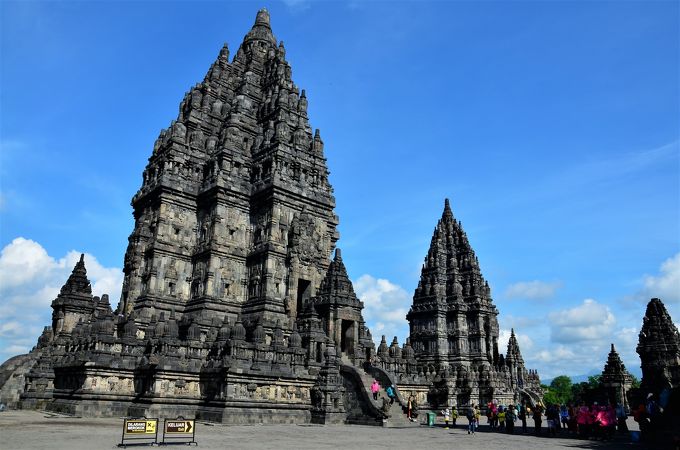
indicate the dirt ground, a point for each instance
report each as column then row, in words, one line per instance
column 40, row 430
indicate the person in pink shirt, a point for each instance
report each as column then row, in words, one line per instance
column 583, row 420
column 601, row 422
column 375, row 388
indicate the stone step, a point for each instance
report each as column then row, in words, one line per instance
column 397, row 418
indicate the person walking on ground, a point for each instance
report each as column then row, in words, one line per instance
column 375, row 388
column 472, row 419
column 446, row 412
column 411, row 401
column 501, row 418
column 454, row 416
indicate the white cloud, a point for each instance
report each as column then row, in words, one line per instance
column 385, row 307
column 29, row 280
column 526, row 344
column 666, row 285
column 591, row 321
column 533, row 290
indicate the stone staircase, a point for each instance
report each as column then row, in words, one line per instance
column 397, row 413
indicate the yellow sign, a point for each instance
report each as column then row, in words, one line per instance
column 179, row 426
column 141, row 426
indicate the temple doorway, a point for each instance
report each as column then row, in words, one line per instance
column 347, row 337
column 303, row 293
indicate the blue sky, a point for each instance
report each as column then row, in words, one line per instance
column 552, row 127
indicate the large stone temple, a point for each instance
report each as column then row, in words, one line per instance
column 236, row 306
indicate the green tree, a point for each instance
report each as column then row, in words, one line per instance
column 594, row 381
column 561, row 387
column 636, row 382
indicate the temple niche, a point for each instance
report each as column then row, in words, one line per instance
column 232, row 309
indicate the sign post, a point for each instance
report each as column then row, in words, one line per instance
column 142, row 431
column 179, row 431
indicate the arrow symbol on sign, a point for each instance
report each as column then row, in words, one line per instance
column 188, row 428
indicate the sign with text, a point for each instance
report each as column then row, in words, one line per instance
column 179, row 426
column 140, row 426
column 179, row 431
column 139, row 432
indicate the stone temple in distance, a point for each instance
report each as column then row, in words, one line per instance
column 236, row 305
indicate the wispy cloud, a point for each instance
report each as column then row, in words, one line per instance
column 298, row 5
column 533, row 290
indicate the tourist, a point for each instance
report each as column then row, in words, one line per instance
column 501, row 418
column 523, row 416
column 583, row 420
column 391, row 393
column 611, row 421
column 621, row 417
column 473, row 416
column 491, row 415
column 446, row 412
column 538, row 411
column 510, row 417
column 414, row 408
column 601, row 423
column 564, row 416
column 595, row 430
column 454, row 416
column 471, row 419
column 411, row 402
column 552, row 414
column 653, row 412
column 375, row 388
column 573, row 425
column 640, row 416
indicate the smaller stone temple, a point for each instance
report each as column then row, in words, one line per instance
column 616, row 380
column 659, row 349
column 454, row 328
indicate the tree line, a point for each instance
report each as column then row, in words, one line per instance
column 562, row 391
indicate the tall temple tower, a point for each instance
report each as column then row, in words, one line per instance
column 235, row 213
column 453, row 319
column 659, row 349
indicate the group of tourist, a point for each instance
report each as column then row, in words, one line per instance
column 583, row 421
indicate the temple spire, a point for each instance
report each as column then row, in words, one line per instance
column 262, row 29
column 447, row 209
column 77, row 282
